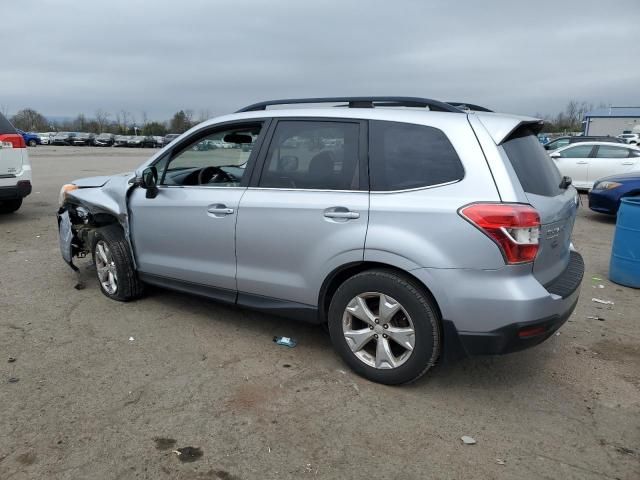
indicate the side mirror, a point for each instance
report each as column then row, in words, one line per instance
column 149, row 181
column 555, row 155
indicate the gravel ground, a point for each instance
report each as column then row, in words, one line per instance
column 109, row 390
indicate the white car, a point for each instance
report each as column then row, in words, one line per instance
column 633, row 138
column 47, row 138
column 15, row 169
column 587, row 162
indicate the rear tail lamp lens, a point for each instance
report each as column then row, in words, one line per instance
column 12, row 140
column 515, row 228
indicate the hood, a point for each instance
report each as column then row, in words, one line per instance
column 622, row 177
column 98, row 181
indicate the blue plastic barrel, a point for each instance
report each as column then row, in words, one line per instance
column 625, row 252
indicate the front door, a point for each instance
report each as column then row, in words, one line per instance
column 187, row 232
column 573, row 162
column 307, row 212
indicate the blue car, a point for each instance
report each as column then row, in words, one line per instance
column 31, row 139
column 607, row 192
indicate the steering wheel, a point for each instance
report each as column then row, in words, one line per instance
column 213, row 174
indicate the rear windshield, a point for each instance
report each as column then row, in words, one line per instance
column 535, row 169
column 5, row 126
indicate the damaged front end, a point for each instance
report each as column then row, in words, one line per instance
column 90, row 204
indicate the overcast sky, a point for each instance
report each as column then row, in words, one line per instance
column 63, row 57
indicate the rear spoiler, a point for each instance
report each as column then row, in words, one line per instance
column 502, row 127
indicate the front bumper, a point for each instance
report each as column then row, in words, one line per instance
column 14, row 192
column 604, row 201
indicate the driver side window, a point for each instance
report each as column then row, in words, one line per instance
column 218, row 159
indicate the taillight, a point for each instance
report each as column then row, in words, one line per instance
column 12, row 140
column 515, row 228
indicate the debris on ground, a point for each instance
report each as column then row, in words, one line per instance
column 188, row 454
column 131, row 339
column 286, row 341
column 13, row 380
column 596, row 279
column 595, row 317
column 499, row 461
column 467, row 440
column 603, row 302
column 79, row 286
column 163, row 443
column 12, row 359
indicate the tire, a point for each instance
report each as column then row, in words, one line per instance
column 416, row 311
column 10, row 206
column 112, row 258
column 33, row 143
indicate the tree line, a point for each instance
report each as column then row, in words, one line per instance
column 122, row 122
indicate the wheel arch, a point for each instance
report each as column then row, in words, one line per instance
column 339, row 275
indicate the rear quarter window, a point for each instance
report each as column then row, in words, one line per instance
column 5, row 126
column 534, row 168
column 404, row 156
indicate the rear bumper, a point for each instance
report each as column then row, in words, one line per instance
column 493, row 312
column 14, row 192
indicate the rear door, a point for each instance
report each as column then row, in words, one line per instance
column 11, row 148
column 307, row 212
column 574, row 162
column 611, row 160
column 540, row 180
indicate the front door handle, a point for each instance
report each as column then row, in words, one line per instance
column 582, row 163
column 628, row 163
column 341, row 214
column 219, row 209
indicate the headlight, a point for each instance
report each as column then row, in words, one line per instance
column 69, row 187
column 606, row 185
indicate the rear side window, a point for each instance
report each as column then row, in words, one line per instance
column 535, row 169
column 605, row 151
column 5, row 126
column 403, row 156
column 582, row 151
column 313, row 155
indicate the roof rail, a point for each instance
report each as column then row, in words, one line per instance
column 361, row 102
column 469, row 106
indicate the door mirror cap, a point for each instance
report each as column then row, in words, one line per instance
column 555, row 155
column 149, row 181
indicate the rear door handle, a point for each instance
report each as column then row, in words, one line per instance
column 582, row 163
column 342, row 214
column 219, row 209
column 628, row 163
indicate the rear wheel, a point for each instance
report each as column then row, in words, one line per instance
column 10, row 206
column 385, row 327
column 114, row 267
column 32, row 143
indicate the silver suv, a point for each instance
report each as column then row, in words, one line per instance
column 416, row 229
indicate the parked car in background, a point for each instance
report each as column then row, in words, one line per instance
column 140, row 141
column 47, row 137
column 15, row 168
column 543, row 139
column 170, row 138
column 564, row 141
column 633, row 138
column 607, row 192
column 64, row 138
column 121, row 140
column 104, row 140
column 589, row 161
column 30, row 138
column 414, row 234
column 84, row 139
column 159, row 141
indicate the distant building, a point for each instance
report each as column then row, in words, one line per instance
column 611, row 120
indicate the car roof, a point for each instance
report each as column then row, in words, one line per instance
column 499, row 125
column 611, row 144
